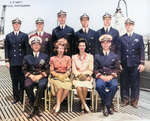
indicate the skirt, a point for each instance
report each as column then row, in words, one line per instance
column 56, row 84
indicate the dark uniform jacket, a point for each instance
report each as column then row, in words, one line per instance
column 68, row 34
column 90, row 40
column 106, row 65
column 36, row 66
column 47, row 44
column 115, row 43
column 16, row 47
column 132, row 50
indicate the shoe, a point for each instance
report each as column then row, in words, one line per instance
column 52, row 111
column 124, row 103
column 82, row 111
column 31, row 113
column 37, row 112
column 15, row 101
column 134, row 105
column 105, row 111
column 56, row 113
column 110, row 111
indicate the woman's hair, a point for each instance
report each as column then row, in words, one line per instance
column 84, row 41
column 60, row 44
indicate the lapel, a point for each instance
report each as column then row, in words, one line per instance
column 103, row 31
column 129, row 39
column 88, row 35
column 64, row 31
column 32, row 58
column 58, row 31
column 13, row 37
column 111, row 31
column 108, row 58
column 38, row 59
column 19, row 37
column 82, row 34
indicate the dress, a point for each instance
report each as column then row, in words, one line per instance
column 84, row 66
column 58, row 67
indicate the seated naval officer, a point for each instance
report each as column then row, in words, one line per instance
column 64, row 31
column 47, row 44
column 86, row 33
column 16, row 47
column 132, row 61
column 36, row 69
column 106, row 68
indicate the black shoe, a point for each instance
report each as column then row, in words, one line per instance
column 31, row 113
column 124, row 103
column 37, row 112
column 109, row 110
column 105, row 111
column 15, row 101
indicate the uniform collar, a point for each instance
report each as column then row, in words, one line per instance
column 35, row 54
column 16, row 32
column 87, row 29
column 106, row 28
column 106, row 52
column 131, row 33
column 63, row 26
column 40, row 32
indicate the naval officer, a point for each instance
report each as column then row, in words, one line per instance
column 106, row 69
column 132, row 61
column 86, row 33
column 107, row 29
column 36, row 69
column 47, row 44
column 16, row 47
column 64, row 31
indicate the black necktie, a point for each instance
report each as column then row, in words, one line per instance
column 16, row 34
column 106, row 30
column 85, row 31
column 105, row 53
column 62, row 27
column 130, row 35
column 35, row 56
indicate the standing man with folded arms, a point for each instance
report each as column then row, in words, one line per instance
column 16, row 47
column 64, row 31
column 47, row 44
column 132, row 61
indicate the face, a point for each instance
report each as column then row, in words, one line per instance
column 62, row 19
column 85, row 22
column 106, row 45
column 60, row 50
column 82, row 47
column 107, row 21
column 16, row 26
column 40, row 26
column 129, row 26
column 36, row 47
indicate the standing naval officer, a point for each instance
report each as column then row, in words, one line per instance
column 16, row 47
column 86, row 33
column 107, row 29
column 132, row 61
column 106, row 69
column 47, row 44
column 64, row 31
column 36, row 69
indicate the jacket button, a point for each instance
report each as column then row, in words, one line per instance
column 89, row 48
column 14, row 45
column 19, row 44
column 133, row 56
column 127, row 56
column 19, row 49
column 43, row 45
column 127, row 50
column 132, row 49
column 14, row 55
column 127, row 44
column 33, row 72
column 20, row 54
column 132, row 44
column 89, row 43
column 14, row 50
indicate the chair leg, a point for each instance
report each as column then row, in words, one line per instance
column 96, row 102
column 49, row 101
column 69, row 102
column 92, row 100
column 118, row 95
column 24, row 100
column 45, row 99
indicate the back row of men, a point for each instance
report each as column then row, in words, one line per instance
column 129, row 48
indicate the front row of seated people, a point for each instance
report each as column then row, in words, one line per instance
column 37, row 67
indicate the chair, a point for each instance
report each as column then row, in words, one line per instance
column 116, row 98
column 89, row 90
column 35, row 89
column 49, row 97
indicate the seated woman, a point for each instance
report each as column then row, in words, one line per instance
column 82, row 68
column 60, row 68
column 106, row 69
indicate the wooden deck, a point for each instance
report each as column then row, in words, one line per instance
column 9, row 112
